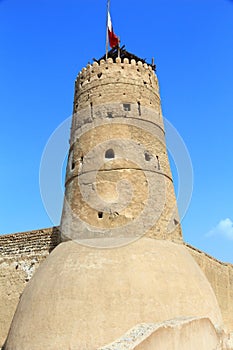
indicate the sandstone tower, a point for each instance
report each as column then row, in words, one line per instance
column 118, row 179
column 118, row 189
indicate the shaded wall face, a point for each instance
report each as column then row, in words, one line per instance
column 220, row 276
column 118, row 179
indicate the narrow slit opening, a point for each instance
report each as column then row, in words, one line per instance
column 139, row 108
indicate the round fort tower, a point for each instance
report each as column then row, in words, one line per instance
column 118, row 179
column 118, row 188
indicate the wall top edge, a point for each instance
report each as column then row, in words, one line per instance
column 40, row 230
column 207, row 255
column 118, row 61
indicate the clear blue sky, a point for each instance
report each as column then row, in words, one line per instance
column 44, row 44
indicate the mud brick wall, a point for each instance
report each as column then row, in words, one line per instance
column 20, row 255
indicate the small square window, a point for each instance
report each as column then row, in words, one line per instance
column 126, row 107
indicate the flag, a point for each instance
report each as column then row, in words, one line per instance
column 113, row 38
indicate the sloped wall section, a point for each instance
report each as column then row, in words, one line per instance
column 21, row 254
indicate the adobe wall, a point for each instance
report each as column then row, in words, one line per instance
column 220, row 276
column 20, row 255
column 123, row 80
column 146, row 281
column 117, row 107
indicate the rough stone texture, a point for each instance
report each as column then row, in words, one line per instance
column 78, row 287
column 80, row 291
column 20, row 255
column 228, row 342
column 117, row 107
column 220, row 276
column 177, row 334
column 35, row 242
column 120, row 81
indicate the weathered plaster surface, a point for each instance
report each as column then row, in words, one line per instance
column 20, row 256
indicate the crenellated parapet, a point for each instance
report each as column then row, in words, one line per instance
column 135, row 81
column 91, row 70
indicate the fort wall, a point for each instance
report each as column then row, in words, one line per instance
column 114, row 100
column 220, row 276
column 119, row 81
column 20, row 256
column 22, row 253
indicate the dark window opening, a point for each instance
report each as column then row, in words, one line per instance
column 109, row 115
column 100, row 215
column 99, row 75
column 109, row 154
column 72, row 166
column 126, row 107
column 176, row 222
column 148, row 156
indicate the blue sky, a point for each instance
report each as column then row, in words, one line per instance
column 44, row 44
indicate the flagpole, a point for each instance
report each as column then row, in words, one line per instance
column 119, row 49
column 106, row 47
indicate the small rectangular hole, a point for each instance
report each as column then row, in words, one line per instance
column 100, row 215
column 126, row 107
